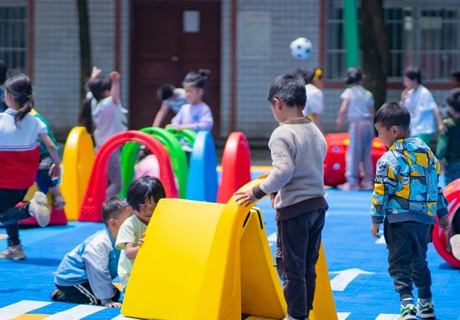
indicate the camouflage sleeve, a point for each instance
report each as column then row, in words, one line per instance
column 384, row 186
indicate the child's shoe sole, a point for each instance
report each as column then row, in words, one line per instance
column 39, row 210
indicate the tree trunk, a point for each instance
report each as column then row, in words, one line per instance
column 375, row 49
column 85, row 45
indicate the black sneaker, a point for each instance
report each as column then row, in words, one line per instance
column 57, row 295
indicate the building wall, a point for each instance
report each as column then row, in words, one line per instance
column 290, row 19
column 57, row 64
column 57, row 56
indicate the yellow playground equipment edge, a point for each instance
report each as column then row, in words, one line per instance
column 212, row 261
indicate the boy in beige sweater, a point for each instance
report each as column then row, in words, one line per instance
column 298, row 150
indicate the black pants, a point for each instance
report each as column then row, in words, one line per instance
column 407, row 244
column 299, row 240
column 83, row 294
column 10, row 215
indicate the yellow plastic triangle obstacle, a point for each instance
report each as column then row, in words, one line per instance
column 211, row 261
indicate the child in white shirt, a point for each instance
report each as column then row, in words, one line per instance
column 358, row 107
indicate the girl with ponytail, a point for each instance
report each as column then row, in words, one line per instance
column 196, row 115
column 19, row 159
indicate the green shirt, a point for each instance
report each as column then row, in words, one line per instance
column 448, row 147
column 43, row 149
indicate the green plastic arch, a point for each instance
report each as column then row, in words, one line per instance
column 188, row 135
column 179, row 161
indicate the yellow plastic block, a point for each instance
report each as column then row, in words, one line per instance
column 77, row 162
column 209, row 261
column 323, row 305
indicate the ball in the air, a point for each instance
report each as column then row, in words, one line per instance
column 301, row 48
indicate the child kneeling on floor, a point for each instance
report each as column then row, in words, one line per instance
column 85, row 274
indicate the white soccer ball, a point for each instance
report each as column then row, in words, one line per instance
column 301, row 48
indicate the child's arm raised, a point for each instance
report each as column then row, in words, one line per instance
column 115, row 91
column 55, row 169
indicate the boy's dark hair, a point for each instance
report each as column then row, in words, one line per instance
column 97, row 86
column 453, row 99
column 19, row 87
column 112, row 208
column 353, row 75
column 393, row 114
column 3, row 72
column 197, row 79
column 413, row 73
column 165, row 92
column 289, row 90
column 144, row 188
column 455, row 75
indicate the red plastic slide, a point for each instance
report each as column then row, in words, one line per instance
column 96, row 191
column 236, row 166
column 452, row 194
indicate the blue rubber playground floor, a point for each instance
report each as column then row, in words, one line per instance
column 357, row 266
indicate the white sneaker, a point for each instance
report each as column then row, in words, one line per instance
column 39, row 210
column 455, row 243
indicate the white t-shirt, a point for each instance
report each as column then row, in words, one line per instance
column 109, row 118
column 315, row 100
column 24, row 136
column 421, row 106
column 131, row 231
column 359, row 102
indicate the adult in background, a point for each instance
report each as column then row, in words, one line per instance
column 425, row 115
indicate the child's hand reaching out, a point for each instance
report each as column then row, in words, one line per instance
column 247, row 197
column 444, row 223
column 141, row 240
column 55, row 171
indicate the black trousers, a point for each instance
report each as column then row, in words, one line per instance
column 407, row 244
column 299, row 240
column 83, row 294
column 10, row 215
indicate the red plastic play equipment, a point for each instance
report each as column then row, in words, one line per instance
column 335, row 162
column 96, row 191
column 452, row 194
column 236, row 166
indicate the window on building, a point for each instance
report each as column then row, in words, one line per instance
column 423, row 33
column 13, row 36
